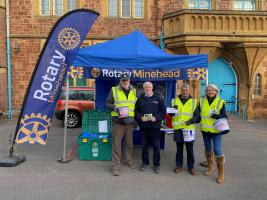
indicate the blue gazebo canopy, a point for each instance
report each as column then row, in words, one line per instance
column 134, row 50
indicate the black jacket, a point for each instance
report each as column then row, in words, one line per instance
column 150, row 105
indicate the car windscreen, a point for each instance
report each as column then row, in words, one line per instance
column 82, row 95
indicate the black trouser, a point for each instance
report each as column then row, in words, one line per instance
column 190, row 154
column 151, row 137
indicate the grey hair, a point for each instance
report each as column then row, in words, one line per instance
column 147, row 83
column 212, row 85
column 185, row 85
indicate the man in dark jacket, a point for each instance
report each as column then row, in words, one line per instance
column 149, row 113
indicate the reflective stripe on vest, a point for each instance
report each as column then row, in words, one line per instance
column 185, row 112
column 121, row 100
column 207, row 122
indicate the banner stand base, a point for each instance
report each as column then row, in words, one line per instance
column 63, row 161
column 12, row 161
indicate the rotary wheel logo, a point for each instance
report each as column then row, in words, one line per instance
column 196, row 74
column 76, row 72
column 33, row 129
column 95, row 72
column 68, row 38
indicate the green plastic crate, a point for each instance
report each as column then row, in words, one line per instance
column 94, row 148
column 91, row 119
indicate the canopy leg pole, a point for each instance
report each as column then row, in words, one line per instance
column 207, row 77
column 64, row 159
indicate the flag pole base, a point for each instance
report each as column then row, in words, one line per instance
column 12, row 161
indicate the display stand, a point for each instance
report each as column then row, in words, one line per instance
column 12, row 160
column 64, row 158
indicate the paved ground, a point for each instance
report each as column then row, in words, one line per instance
column 41, row 177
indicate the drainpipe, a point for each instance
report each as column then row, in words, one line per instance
column 9, row 113
column 161, row 39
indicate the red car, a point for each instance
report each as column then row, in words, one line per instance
column 80, row 99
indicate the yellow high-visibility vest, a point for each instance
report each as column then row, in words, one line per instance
column 121, row 100
column 207, row 122
column 185, row 112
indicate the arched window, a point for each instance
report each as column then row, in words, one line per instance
column 257, row 85
column 199, row 4
column 244, row 5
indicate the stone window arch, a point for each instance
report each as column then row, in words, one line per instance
column 257, row 85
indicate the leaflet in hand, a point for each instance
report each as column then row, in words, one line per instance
column 123, row 111
column 171, row 110
column 148, row 117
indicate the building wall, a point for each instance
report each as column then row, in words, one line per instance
column 212, row 34
column 3, row 65
column 259, row 102
column 29, row 31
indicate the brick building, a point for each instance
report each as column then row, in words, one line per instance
column 233, row 34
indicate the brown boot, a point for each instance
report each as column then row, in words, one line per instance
column 210, row 158
column 220, row 165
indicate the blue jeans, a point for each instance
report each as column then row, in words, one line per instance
column 213, row 143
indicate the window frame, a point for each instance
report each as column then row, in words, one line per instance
column 132, row 14
column 243, row 2
column 198, row 3
column 51, row 8
column 130, row 9
column 54, row 8
column 257, row 85
column 40, row 8
column 143, row 9
column 117, row 8
column 70, row 4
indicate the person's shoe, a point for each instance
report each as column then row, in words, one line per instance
column 143, row 167
column 130, row 165
column 192, row 172
column 177, row 170
column 156, row 169
column 115, row 172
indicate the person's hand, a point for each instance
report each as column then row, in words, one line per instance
column 188, row 122
column 153, row 119
column 215, row 116
column 175, row 106
column 143, row 119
